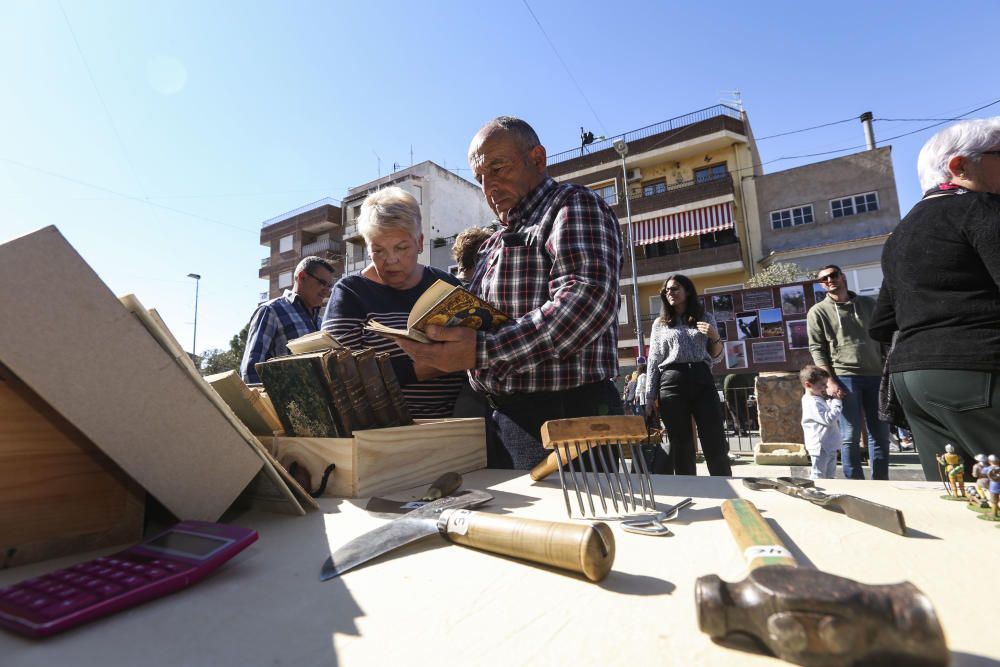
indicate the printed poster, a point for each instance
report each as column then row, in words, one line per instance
column 736, row 354
column 758, row 299
column 769, row 353
column 748, row 324
column 798, row 334
column 793, row 300
column 771, row 323
column 722, row 307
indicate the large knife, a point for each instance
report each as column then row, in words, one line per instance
column 445, row 485
column 588, row 549
column 859, row 509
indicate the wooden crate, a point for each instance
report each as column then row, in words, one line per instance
column 384, row 460
column 59, row 494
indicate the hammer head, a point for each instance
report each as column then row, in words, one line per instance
column 819, row 619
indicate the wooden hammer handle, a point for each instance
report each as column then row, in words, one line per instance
column 759, row 544
column 586, row 548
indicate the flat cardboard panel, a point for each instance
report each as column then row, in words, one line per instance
column 71, row 341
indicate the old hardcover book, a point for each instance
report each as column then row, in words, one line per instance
column 344, row 371
column 247, row 404
column 445, row 305
column 378, row 397
column 340, row 395
column 298, row 389
column 316, row 341
column 396, row 399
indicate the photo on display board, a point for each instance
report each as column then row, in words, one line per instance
column 798, row 334
column 771, row 324
column 793, row 300
column 769, row 353
column 819, row 292
column 722, row 307
column 748, row 324
column 723, row 330
column 736, row 354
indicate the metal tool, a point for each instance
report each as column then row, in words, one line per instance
column 586, row 549
column 652, row 524
column 445, row 485
column 810, row 617
column 859, row 509
column 589, row 453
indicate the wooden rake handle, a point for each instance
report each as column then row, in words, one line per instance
column 588, row 549
column 586, row 432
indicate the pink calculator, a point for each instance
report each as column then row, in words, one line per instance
column 174, row 559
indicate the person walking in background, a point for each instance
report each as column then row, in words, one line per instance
column 820, row 422
column 640, row 390
column 628, row 396
column 683, row 346
column 941, row 293
column 840, row 345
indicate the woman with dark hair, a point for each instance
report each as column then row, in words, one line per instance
column 682, row 348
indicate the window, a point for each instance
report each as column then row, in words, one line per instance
column 716, row 239
column 655, row 304
column 284, row 279
column 792, row 217
column 608, row 191
column 654, row 188
column 359, row 252
column 854, row 204
column 711, row 173
column 285, row 244
column 660, row 249
column 622, row 310
column 357, row 212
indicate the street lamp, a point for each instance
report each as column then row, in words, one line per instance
column 194, row 338
column 622, row 149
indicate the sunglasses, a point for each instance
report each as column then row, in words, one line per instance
column 328, row 284
column 673, row 288
column 830, row 277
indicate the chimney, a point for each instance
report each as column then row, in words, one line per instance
column 866, row 122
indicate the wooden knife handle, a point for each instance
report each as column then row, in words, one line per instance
column 585, row 548
column 759, row 544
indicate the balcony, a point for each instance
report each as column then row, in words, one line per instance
column 321, row 246
column 683, row 261
column 351, row 231
column 677, row 194
column 265, row 262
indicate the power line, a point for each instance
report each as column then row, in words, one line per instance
column 565, row 67
column 806, row 129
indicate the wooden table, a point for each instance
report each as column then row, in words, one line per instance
column 438, row 604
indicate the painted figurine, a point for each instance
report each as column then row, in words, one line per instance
column 953, row 469
column 992, row 472
column 980, row 493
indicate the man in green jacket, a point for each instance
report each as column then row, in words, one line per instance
column 839, row 344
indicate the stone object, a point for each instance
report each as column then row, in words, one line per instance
column 780, row 454
column 779, row 407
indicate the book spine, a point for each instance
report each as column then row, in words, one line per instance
column 378, row 397
column 298, row 390
column 396, row 399
column 343, row 408
column 347, row 373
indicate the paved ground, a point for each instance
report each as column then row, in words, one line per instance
column 903, row 466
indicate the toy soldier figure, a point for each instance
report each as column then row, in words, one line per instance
column 980, row 493
column 954, row 470
column 992, row 472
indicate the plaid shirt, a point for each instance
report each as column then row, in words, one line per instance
column 274, row 324
column 554, row 269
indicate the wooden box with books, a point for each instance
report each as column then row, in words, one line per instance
column 383, row 460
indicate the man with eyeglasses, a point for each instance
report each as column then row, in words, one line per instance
column 840, row 344
column 295, row 313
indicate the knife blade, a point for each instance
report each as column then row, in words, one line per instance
column 588, row 549
column 444, row 485
column 859, row 509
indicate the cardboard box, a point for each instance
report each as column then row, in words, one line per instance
column 380, row 461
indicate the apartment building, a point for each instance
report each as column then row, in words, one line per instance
column 837, row 211
column 313, row 229
column 683, row 179
column 448, row 204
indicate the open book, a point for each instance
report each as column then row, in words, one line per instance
column 445, row 305
column 317, row 341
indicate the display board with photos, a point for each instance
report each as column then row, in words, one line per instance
column 764, row 328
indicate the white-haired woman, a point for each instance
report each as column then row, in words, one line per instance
column 386, row 290
column 941, row 292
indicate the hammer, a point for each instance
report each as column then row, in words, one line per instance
column 810, row 617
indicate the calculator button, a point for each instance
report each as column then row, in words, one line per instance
column 135, row 581
column 107, row 590
column 155, row 572
column 38, row 602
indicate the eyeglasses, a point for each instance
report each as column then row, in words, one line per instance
column 328, row 284
column 990, row 153
column 673, row 288
column 830, row 277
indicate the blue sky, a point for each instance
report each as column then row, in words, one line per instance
column 159, row 135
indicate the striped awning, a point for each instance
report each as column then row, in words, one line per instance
column 689, row 223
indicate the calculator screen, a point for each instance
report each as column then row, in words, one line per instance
column 187, row 544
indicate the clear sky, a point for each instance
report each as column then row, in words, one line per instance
column 158, row 136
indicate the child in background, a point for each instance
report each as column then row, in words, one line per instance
column 820, row 422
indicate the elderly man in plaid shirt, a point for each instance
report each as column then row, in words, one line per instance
column 553, row 265
column 295, row 313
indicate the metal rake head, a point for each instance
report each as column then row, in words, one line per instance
column 599, row 456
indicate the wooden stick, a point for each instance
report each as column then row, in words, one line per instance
column 760, row 545
column 586, row 432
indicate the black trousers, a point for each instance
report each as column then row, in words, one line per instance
column 514, row 425
column 686, row 391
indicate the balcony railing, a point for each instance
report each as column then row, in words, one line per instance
column 351, row 231
column 684, row 261
column 265, row 262
column 324, row 245
column 649, row 130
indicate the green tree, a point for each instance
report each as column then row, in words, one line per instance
column 219, row 361
column 780, row 273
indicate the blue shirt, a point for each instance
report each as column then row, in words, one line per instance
column 272, row 326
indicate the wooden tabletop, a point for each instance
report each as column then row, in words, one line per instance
column 434, row 603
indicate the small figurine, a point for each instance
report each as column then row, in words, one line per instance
column 992, row 472
column 979, row 495
column 954, row 470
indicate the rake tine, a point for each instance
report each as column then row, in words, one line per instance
column 597, row 478
column 586, row 481
column 643, row 475
column 562, row 483
column 628, row 476
column 618, row 476
column 603, row 466
column 576, row 482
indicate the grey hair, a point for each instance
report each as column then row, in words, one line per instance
column 523, row 134
column 968, row 138
column 388, row 209
column 309, row 263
